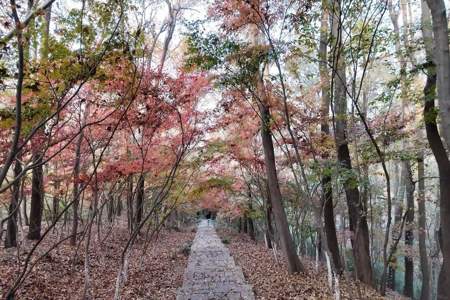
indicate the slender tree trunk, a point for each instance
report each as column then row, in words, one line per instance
column 24, row 201
column 11, row 227
column 442, row 77
column 327, row 191
column 409, row 234
column 251, row 226
column 270, row 236
column 139, row 200
column 56, row 200
column 110, row 206
column 396, row 232
column 443, row 163
column 442, row 61
column 119, row 206
column 422, row 220
column 130, row 215
column 245, row 224
column 76, row 189
column 356, row 209
column 37, row 199
column 397, row 188
column 294, row 264
column 37, row 194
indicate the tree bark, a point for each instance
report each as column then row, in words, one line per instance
column 251, row 226
column 76, row 189
column 37, row 198
column 130, row 214
column 356, row 209
column 443, row 163
column 13, row 210
column 245, row 224
column 287, row 244
column 56, row 200
column 422, row 222
column 395, row 234
column 139, row 200
column 442, row 61
column 327, row 191
column 24, row 202
column 408, row 289
column 270, row 239
column 442, row 77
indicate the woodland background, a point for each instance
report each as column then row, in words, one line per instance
column 320, row 129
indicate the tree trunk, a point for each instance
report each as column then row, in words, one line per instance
column 245, row 224
column 76, row 190
column 442, row 61
column 327, row 191
column 55, row 209
column 287, row 244
column 110, row 207
column 409, row 234
column 356, row 209
column 11, row 227
column 37, row 199
column 24, row 203
column 422, row 220
column 139, row 200
column 398, row 192
column 119, row 206
column 396, row 232
column 443, row 163
column 130, row 215
column 251, row 226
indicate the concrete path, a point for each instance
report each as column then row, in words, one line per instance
column 211, row 272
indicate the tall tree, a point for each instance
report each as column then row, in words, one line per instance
column 427, row 36
column 356, row 209
column 287, row 243
column 327, row 191
column 294, row 264
column 441, row 59
column 37, row 195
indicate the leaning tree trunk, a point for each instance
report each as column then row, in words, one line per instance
column 13, row 210
column 269, row 228
column 282, row 225
column 438, row 149
column 356, row 209
column 287, row 244
column 442, row 61
column 327, row 191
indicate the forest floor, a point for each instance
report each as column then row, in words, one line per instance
column 158, row 272
column 155, row 274
column 270, row 279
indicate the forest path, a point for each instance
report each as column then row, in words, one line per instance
column 211, row 272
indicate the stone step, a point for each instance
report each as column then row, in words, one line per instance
column 212, row 272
